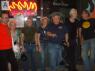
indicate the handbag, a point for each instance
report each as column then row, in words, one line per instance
column 23, row 57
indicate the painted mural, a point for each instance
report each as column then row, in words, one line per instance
column 91, row 8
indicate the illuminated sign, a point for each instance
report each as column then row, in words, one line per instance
column 23, row 7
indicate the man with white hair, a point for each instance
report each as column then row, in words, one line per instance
column 72, row 25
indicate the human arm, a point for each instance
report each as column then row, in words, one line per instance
column 21, row 42
column 80, row 36
column 50, row 34
column 67, row 39
column 37, row 42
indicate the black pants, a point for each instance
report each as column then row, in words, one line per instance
column 71, row 56
column 7, row 56
column 71, row 59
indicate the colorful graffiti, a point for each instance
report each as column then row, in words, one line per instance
column 91, row 8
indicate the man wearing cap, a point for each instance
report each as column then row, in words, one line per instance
column 56, row 33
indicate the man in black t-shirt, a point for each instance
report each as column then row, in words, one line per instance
column 41, row 42
column 87, row 36
column 72, row 25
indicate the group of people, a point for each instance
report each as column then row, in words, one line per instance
column 52, row 37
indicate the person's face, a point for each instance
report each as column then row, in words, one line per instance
column 5, row 18
column 44, row 22
column 29, row 22
column 56, row 20
column 85, row 15
column 74, row 15
column 12, row 26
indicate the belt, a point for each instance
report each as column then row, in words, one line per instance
column 29, row 43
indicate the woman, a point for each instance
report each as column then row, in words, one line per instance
column 28, row 41
column 41, row 41
column 72, row 24
column 15, row 38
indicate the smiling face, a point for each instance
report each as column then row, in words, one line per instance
column 29, row 22
column 56, row 19
column 12, row 25
column 5, row 18
column 73, row 13
column 85, row 14
column 44, row 21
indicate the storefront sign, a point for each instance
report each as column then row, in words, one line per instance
column 23, row 7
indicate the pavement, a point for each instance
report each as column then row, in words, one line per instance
column 79, row 68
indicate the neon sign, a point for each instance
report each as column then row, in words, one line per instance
column 23, row 7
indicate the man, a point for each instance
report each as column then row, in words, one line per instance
column 56, row 33
column 41, row 41
column 87, row 36
column 6, row 52
column 28, row 38
column 72, row 24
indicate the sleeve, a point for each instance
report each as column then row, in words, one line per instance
column 49, row 27
column 38, row 30
column 65, row 28
column 66, row 21
column 94, row 23
column 80, row 23
column 77, row 23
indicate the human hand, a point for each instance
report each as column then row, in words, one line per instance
column 38, row 48
column 50, row 34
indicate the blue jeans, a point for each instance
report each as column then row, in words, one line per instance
column 43, row 53
column 88, row 45
column 30, row 52
column 55, row 51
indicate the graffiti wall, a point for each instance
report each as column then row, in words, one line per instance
column 91, row 7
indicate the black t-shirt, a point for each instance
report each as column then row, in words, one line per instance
column 42, row 31
column 72, row 28
column 88, row 28
column 29, row 34
column 60, row 30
